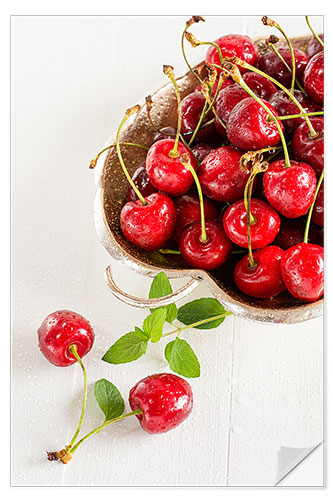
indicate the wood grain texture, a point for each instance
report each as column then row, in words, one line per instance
column 261, row 387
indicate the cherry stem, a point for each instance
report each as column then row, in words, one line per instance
column 197, row 323
column 308, row 220
column 245, row 65
column 185, row 160
column 313, row 32
column 235, row 74
column 168, row 251
column 73, row 350
column 94, row 161
column 203, row 113
column 100, row 427
column 269, row 22
column 128, row 113
column 205, row 91
column 282, row 59
column 168, row 71
column 195, row 43
column 300, row 115
column 188, row 24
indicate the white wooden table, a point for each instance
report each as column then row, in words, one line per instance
column 261, row 386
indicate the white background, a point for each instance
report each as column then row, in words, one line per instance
column 72, row 79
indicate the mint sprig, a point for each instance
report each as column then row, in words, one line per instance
column 204, row 314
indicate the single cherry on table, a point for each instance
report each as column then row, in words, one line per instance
column 165, row 400
column 59, row 331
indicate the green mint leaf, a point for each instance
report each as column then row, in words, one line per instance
column 153, row 324
column 109, row 399
column 161, row 287
column 129, row 347
column 201, row 309
column 182, row 359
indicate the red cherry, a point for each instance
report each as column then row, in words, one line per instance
column 313, row 78
column 263, row 231
column 290, row 190
column 149, row 226
column 260, row 85
column 292, row 232
column 188, row 211
column 234, row 45
column 220, row 175
column 249, row 128
column 209, row 255
column 271, row 64
column 314, row 46
column 59, row 331
column 142, row 182
column 227, row 100
column 200, row 151
column 302, row 268
column 168, row 174
column 318, row 209
column 191, row 109
column 165, row 400
column 265, row 280
column 284, row 106
column 310, row 149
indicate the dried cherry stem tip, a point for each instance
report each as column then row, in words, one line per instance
column 185, row 160
column 308, row 220
column 129, row 112
column 269, row 22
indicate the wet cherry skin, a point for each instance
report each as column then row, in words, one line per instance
column 188, row 211
column 313, row 78
column 191, row 109
column 318, row 209
column 302, row 268
column 265, row 280
column 227, row 100
column 260, row 85
column 248, row 127
column 314, row 46
column 292, row 232
column 290, row 190
column 263, row 232
column 149, row 226
column 285, row 106
column 310, row 149
column 201, row 150
column 270, row 63
column 234, row 45
column 166, row 400
column 220, row 175
column 209, row 255
column 169, row 174
column 59, row 331
column 142, row 182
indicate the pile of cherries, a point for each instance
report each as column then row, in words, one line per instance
column 243, row 171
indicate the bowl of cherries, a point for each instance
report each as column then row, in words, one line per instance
column 218, row 177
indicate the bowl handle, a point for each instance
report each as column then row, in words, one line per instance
column 151, row 303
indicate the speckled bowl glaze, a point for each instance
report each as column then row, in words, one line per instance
column 110, row 197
